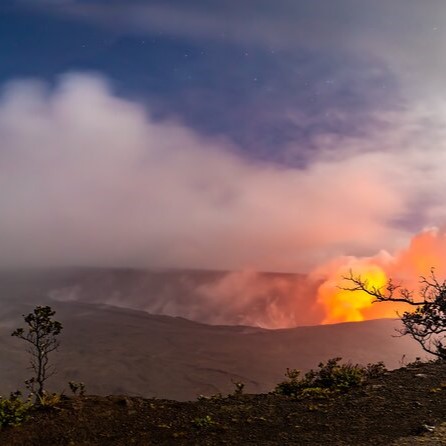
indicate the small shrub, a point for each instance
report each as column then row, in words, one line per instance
column 331, row 377
column 292, row 386
column 49, row 400
column 335, row 376
column 13, row 410
column 203, row 422
column 417, row 363
column 239, row 387
column 317, row 393
column 77, row 388
column 375, row 370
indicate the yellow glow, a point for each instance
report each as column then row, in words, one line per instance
column 347, row 306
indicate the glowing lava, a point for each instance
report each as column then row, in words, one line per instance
column 343, row 305
column 426, row 250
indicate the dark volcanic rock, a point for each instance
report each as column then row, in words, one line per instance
column 377, row 414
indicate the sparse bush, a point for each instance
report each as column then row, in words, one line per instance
column 331, row 377
column 13, row 410
column 77, row 388
column 203, row 422
column 293, row 384
column 417, row 363
column 317, row 393
column 335, row 376
column 239, row 387
column 49, row 400
column 375, row 370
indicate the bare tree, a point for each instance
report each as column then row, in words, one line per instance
column 426, row 322
column 41, row 335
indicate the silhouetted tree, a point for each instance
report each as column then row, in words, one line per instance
column 426, row 323
column 41, row 335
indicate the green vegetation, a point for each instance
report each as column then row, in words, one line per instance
column 203, row 422
column 329, row 378
column 13, row 410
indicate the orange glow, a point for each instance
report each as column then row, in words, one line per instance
column 343, row 305
column 426, row 250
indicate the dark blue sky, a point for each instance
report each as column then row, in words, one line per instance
column 263, row 96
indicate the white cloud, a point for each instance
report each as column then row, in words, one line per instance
column 89, row 178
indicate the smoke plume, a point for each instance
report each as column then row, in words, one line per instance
column 426, row 251
column 88, row 178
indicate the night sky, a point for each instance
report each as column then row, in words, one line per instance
column 267, row 134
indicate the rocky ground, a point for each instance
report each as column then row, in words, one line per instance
column 404, row 407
